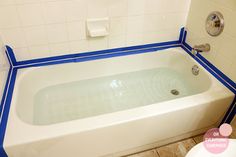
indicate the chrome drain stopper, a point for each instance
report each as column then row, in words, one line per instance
column 174, row 92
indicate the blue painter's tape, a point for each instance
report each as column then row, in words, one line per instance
column 2, row 152
column 9, row 59
column 184, row 37
column 181, row 35
column 230, row 113
column 102, row 56
column 215, row 69
column 227, row 79
column 123, row 54
column 88, row 56
column 187, row 46
column 5, row 113
column 232, row 109
column 72, row 56
column 211, row 69
column 5, row 91
column 11, row 56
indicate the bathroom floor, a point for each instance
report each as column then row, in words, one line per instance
column 178, row 149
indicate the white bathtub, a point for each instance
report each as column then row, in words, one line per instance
column 38, row 128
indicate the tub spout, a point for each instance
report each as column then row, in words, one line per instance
column 201, row 48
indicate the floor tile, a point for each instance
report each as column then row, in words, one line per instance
column 233, row 135
column 233, row 124
column 198, row 139
column 150, row 153
column 179, row 149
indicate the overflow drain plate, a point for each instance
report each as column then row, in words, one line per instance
column 174, row 92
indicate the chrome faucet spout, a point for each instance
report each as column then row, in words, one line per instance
column 201, row 48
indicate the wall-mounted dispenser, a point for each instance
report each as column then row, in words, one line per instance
column 98, row 27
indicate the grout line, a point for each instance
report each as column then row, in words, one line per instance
column 194, row 140
column 155, row 148
column 157, row 152
column 141, row 152
column 197, row 136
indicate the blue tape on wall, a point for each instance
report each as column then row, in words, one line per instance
column 73, row 57
column 96, row 57
column 2, row 152
column 181, row 35
column 5, row 91
column 11, row 56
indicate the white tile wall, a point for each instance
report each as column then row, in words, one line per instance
column 223, row 53
column 3, row 58
column 41, row 28
column 4, row 67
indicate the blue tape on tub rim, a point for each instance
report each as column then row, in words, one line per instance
column 5, row 113
column 230, row 114
column 226, row 81
column 215, row 69
column 5, row 91
column 2, row 152
column 232, row 109
column 210, row 70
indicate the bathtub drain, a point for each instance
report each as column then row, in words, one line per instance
column 174, row 92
